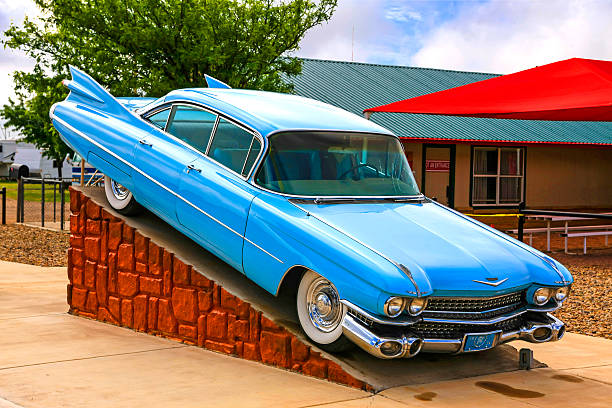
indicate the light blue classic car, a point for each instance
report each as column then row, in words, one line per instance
column 304, row 197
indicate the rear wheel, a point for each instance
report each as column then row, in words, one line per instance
column 320, row 312
column 120, row 198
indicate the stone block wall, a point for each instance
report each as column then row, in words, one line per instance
column 121, row 277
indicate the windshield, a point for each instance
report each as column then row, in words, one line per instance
column 336, row 164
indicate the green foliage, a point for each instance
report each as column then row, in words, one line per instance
column 149, row 47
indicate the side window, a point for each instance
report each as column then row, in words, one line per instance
column 231, row 146
column 252, row 156
column 160, row 118
column 192, row 125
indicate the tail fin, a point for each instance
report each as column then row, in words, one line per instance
column 85, row 90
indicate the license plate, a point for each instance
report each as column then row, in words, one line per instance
column 477, row 342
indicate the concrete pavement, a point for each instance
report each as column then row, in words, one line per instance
column 49, row 358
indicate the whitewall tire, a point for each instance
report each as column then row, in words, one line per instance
column 120, row 198
column 320, row 312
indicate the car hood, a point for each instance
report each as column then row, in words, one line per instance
column 444, row 252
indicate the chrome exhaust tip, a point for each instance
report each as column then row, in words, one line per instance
column 381, row 347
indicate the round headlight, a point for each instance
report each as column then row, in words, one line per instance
column 561, row 293
column 394, row 306
column 416, row 306
column 541, row 296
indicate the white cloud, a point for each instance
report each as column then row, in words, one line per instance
column 403, row 14
column 508, row 36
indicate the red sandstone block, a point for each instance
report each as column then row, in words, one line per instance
column 141, row 248
column 267, row 324
column 299, row 351
column 155, row 259
column 74, row 223
column 128, row 234
column 238, row 329
column 108, row 216
column 166, row 321
column 101, row 283
column 167, row 274
column 152, row 313
column 216, row 325
column 89, row 277
column 275, row 349
column 128, row 284
column 189, row 332
column 104, row 242
column 152, row 286
column 205, row 301
column 140, row 312
column 93, row 227
column 197, row 279
column 125, row 257
column 77, row 276
column 228, row 301
column 141, row 268
column 76, row 241
column 315, row 367
column 201, row 330
column 92, row 302
column 114, row 306
column 112, row 272
column 69, row 294
column 114, row 235
column 185, row 304
column 74, row 200
column 92, row 248
column 105, row 316
column 70, row 265
column 181, row 273
column 79, row 298
column 216, row 289
column 82, row 218
column 220, row 347
column 127, row 313
column 337, row 374
column 250, row 351
column 93, row 210
column 254, row 325
column 242, row 309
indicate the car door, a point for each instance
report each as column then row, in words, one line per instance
column 162, row 158
column 215, row 194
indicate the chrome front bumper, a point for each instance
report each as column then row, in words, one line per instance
column 410, row 345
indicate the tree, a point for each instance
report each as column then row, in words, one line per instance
column 149, row 47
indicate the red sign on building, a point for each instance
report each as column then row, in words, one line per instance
column 437, row 165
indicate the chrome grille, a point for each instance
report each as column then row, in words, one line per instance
column 431, row 330
column 457, row 304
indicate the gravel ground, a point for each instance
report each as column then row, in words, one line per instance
column 35, row 246
column 588, row 309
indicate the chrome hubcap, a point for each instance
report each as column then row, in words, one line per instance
column 324, row 308
column 119, row 191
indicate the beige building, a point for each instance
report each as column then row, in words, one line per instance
column 474, row 163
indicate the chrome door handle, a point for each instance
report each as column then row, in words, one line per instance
column 144, row 142
column 191, row 167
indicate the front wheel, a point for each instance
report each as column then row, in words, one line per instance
column 320, row 312
column 120, row 198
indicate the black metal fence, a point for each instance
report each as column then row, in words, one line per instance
column 42, row 200
column 3, row 194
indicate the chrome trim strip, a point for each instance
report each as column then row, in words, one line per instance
column 81, row 134
column 491, row 283
column 453, row 312
column 381, row 320
column 397, row 265
column 494, row 320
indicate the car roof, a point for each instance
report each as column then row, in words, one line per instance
column 270, row 112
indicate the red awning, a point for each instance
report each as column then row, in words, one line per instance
column 575, row 89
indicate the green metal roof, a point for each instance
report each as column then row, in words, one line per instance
column 356, row 86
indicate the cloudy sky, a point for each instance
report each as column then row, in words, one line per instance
column 499, row 36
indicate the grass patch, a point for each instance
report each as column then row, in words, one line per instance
column 32, row 192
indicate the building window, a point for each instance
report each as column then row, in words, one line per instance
column 497, row 176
